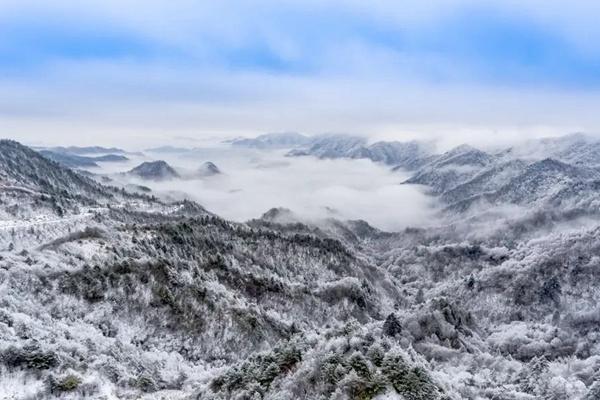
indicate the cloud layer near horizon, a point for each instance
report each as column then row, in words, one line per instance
column 254, row 181
column 125, row 72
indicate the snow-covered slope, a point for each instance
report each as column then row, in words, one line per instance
column 573, row 149
column 122, row 296
column 471, row 181
column 29, row 181
column 405, row 155
column 450, row 169
column 333, row 146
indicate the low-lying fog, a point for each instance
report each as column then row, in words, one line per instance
column 254, row 181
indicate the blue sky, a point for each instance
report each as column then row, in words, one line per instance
column 240, row 67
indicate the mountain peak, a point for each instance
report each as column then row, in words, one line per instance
column 551, row 164
column 279, row 214
column 154, row 170
column 209, row 169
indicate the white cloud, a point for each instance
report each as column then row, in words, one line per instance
column 137, row 105
column 357, row 87
column 256, row 181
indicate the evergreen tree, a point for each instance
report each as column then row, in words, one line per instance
column 391, row 326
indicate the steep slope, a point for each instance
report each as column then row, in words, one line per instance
column 29, row 180
column 486, row 181
column 197, row 292
column 153, row 301
column 542, row 179
column 547, row 183
column 519, row 299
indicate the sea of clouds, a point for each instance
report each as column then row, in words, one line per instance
column 254, row 181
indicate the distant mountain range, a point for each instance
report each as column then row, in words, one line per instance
column 408, row 155
column 273, row 141
column 467, row 179
column 76, row 161
column 90, row 150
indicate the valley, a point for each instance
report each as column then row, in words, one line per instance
column 110, row 293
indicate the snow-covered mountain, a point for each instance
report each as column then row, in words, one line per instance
column 468, row 179
column 573, row 149
column 484, row 181
column 331, row 146
column 28, row 180
column 405, row 155
column 124, row 296
column 448, row 170
column 541, row 179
